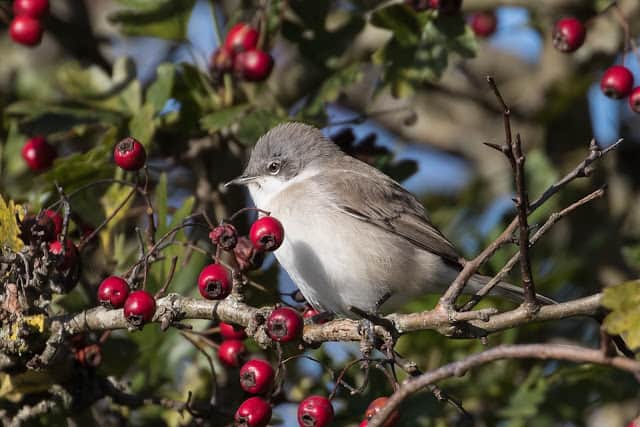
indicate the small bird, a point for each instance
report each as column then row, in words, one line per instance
column 353, row 236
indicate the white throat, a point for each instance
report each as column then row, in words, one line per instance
column 267, row 188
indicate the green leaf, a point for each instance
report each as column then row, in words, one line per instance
column 323, row 47
column 142, row 127
column 409, row 61
column 161, row 205
column 624, row 302
column 631, row 254
column 529, row 396
column 401, row 20
column 78, row 169
column 223, row 118
column 177, row 251
column 256, row 124
column 160, row 90
column 91, row 85
column 165, row 19
column 61, row 116
column 332, row 87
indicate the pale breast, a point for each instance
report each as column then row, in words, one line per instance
column 336, row 260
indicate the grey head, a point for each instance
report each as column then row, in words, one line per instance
column 286, row 150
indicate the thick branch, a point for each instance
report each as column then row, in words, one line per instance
column 179, row 308
column 526, row 351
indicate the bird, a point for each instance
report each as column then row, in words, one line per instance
column 354, row 237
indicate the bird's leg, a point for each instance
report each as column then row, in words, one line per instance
column 370, row 320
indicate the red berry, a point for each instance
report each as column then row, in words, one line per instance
column 266, row 234
column 309, row 312
column 222, row 60
column 253, row 65
column 225, row 236
column 214, row 282
column 376, row 405
column 231, row 352
column 617, row 82
column 363, row 423
column 113, row 292
column 56, row 218
column 284, row 324
column 315, row 411
column 38, row 153
column 634, row 99
column 314, row 315
column 139, row 308
column 33, row 8
column 484, row 23
column 26, row 30
column 253, row 412
column 568, row 34
column 129, row 154
column 70, row 257
column 241, row 37
column 232, row 332
column 256, row 376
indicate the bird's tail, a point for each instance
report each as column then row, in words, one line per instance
column 504, row 289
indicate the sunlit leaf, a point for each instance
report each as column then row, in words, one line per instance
column 159, row 92
column 166, row 19
column 624, row 302
column 9, row 228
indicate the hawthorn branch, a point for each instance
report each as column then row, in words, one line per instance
column 551, row 221
column 253, row 319
column 583, row 169
column 569, row 353
column 522, row 205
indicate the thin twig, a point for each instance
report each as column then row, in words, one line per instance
column 203, row 351
column 106, row 220
column 172, row 270
column 151, row 226
column 522, row 206
column 570, row 353
column 551, row 221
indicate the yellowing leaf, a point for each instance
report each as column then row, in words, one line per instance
column 115, row 197
column 35, row 322
column 624, row 302
column 9, row 228
column 12, row 387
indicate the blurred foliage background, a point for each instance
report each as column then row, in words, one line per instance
column 108, row 69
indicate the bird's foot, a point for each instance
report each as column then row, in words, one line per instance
column 370, row 340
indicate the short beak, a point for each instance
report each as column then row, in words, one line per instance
column 241, row 180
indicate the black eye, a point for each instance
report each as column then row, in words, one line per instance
column 274, row 167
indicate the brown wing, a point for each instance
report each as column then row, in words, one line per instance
column 375, row 198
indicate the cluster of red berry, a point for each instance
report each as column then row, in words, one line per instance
column 139, row 306
column 26, row 26
column 616, row 82
column 266, row 234
column 47, row 227
column 257, row 377
column 240, row 54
